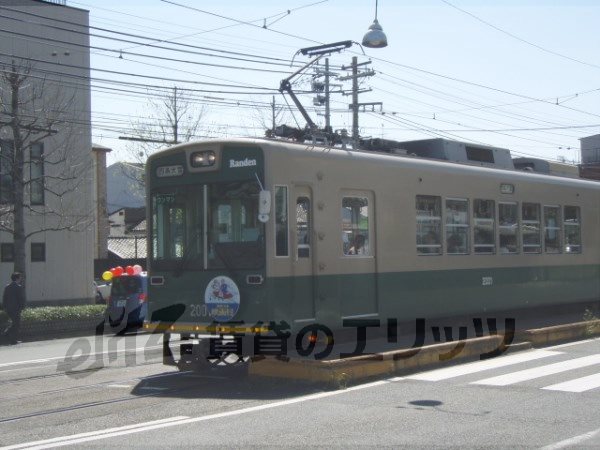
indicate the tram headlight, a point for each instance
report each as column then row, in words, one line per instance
column 203, row 159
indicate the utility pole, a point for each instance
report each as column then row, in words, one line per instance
column 354, row 106
column 273, row 114
column 327, row 108
column 355, row 138
column 325, row 88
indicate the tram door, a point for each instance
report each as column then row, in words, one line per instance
column 358, row 288
column 303, row 253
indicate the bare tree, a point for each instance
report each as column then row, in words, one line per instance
column 173, row 118
column 39, row 165
column 269, row 118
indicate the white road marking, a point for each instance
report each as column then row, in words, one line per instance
column 174, row 421
column 577, row 385
column 31, row 361
column 56, row 442
column 538, row 372
column 77, row 357
column 571, row 344
column 572, row 441
column 479, row 366
column 125, row 386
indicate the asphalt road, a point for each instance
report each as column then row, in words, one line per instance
column 105, row 392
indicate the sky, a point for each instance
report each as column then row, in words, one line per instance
column 522, row 75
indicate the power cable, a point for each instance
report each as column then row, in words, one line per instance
column 279, row 15
column 482, row 86
column 120, row 52
column 539, row 47
column 120, row 33
column 241, row 22
column 136, row 75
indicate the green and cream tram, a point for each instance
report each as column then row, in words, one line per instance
column 245, row 233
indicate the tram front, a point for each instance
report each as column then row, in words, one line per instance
column 206, row 246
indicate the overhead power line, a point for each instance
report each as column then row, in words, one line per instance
column 137, row 75
column 135, row 90
column 525, row 41
column 438, row 110
column 241, row 22
column 277, row 17
column 85, row 31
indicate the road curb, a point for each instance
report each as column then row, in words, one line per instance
column 340, row 372
column 358, row 368
column 50, row 329
column 560, row 333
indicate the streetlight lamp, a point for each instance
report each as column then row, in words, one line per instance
column 375, row 37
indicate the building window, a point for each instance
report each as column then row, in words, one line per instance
column 355, row 226
column 508, row 226
column 7, row 252
column 36, row 174
column 6, row 172
column 281, row 221
column 457, row 226
column 38, row 252
column 530, row 224
column 572, row 227
column 484, row 226
column 429, row 225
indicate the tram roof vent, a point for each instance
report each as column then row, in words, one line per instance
column 543, row 166
column 446, row 150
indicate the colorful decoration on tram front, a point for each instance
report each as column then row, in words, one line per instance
column 222, row 299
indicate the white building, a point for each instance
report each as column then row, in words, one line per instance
column 51, row 41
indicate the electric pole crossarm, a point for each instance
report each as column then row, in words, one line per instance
column 368, row 73
column 155, row 141
column 363, row 105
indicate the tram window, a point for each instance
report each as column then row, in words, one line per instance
column 281, row 221
column 483, row 223
column 530, row 224
column 173, row 232
column 429, row 225
column 234, row 234
column 224, row 224
column 508, row 226
column 355, row 226
column 175, row 220
column 552, row 229
column 572, row 227
column 457, row 227
column 303, row 226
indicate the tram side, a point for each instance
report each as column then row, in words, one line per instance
column 439, row 239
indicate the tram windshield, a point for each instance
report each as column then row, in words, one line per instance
column 209, row 226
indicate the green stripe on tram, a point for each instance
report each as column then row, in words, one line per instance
column 444, row 293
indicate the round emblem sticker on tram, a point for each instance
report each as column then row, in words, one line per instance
column 222, row 299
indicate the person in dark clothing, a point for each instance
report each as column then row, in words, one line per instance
column 13, row 302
